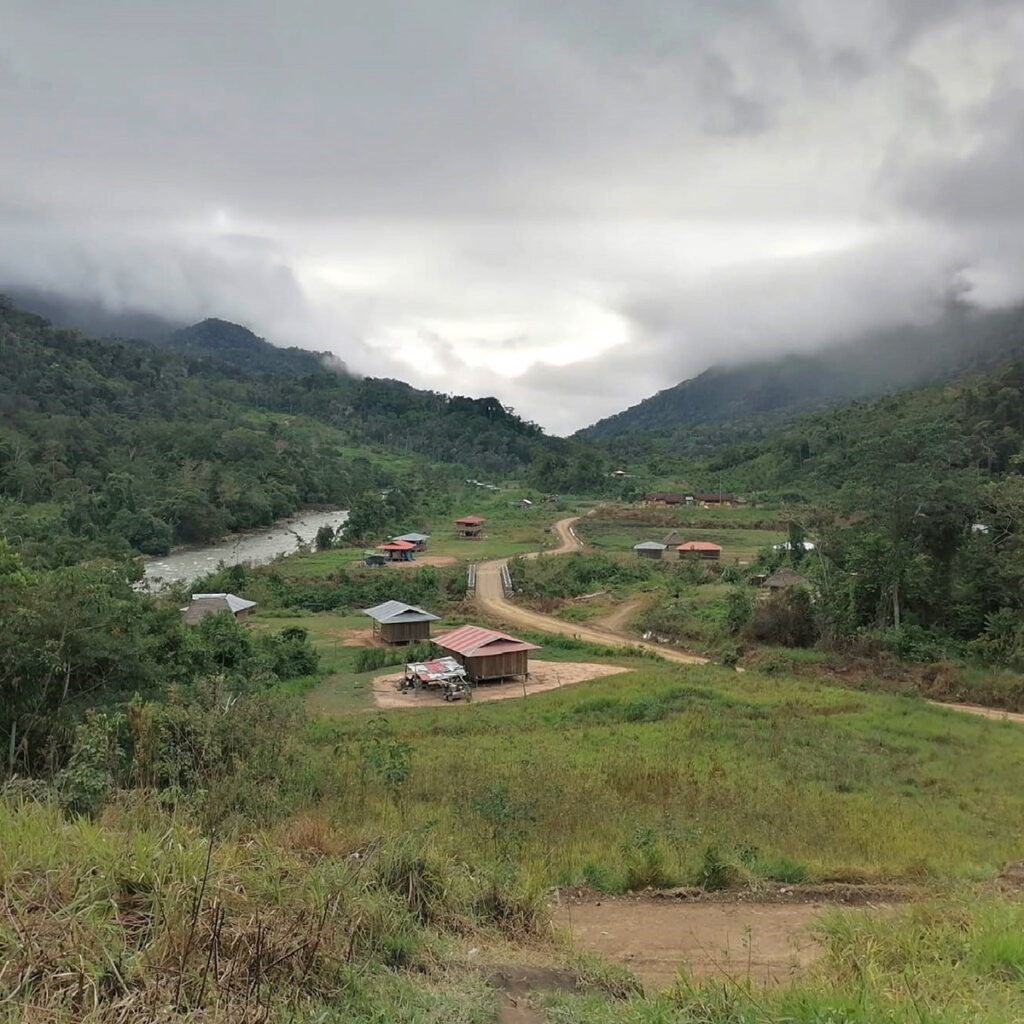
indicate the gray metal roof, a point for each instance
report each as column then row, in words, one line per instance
column 234, row 603
column 413, row 538
column 649, row 545
column 397, row 611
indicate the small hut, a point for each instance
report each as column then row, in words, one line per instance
column 700, row 549
column 398, row 623
column 649, row 549
column 674, row 539
column 202, row 605
column 486, row 653
column 397, row 550
column 469, row 527
column 784, row 578
column 418, row 540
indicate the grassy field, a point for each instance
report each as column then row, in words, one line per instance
column 737, row 544
column 507, row 531
column 633, row 780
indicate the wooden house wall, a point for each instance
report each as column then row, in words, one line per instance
column 495, row 666
column 404, row 632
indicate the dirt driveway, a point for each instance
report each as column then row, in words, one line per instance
column 544, row 675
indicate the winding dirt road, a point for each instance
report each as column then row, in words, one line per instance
column 490, row 599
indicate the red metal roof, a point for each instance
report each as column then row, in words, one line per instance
column 698, row 545
column 477, row 642
column 397, row 545
column 469, row 521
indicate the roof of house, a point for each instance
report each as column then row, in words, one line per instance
column 469, row 521
column 441, row 669
column 202, row 605
column 398, row 611
column 717, row 496
column 673, row 539
column 413, row 538
column 699, row 545
column 478, row 642
column 669, row 497
column 230, row 601
column 649, row 545
column 786, row 577
column 397, row 545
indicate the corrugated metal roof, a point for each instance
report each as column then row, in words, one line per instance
column 469, row 521
column 477, row 642
column 397, row 545
column 398, row 611
column 231, row 601
column 649, row 545
column 413, row 538
column 698, row 545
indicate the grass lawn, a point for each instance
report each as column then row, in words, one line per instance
column 635, row 778
column 740, row 543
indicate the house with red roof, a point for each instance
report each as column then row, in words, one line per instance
column 700, row 549
column 487, row 653
column 469, row 527
column 397, row 550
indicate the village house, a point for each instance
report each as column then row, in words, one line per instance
column 397, row 623
column 784, row 578
column 674, row 539
column 664, row 498
column 721, row 498
column 418, row 540
column 469, row 527
column 397, row 550
column 649, row 549
column 700, row 549
column 202, row 605
column 486, row 653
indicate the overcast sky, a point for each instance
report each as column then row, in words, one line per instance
column 568, row 205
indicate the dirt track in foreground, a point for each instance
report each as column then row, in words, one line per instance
column 490, row 599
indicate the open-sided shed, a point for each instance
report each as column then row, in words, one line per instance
column 486, row 653
column 398, row 623
column 398, row 550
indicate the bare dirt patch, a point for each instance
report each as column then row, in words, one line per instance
column 544, row 675
column 422, row 560
column 654, row 939
column 359, row 638
column 769, row 940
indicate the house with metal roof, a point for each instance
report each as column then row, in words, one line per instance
column 395, row 622
column 784, row 578
column 397, row 550
column 487, row 653
column 700, row 549
column 418, row 540
column 202, row 605
column 649, row 549
column 469, row 527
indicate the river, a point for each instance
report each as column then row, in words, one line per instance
column 256, row 548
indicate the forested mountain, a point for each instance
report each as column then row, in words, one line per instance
column 223, row 342
column 918, row 507
column 770, row 392
column 109, row 447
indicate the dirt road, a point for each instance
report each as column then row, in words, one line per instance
column 654, row 938
column 490, row 599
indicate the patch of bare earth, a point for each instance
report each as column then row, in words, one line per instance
column 422, row 560
column 544, row 675
column 768, row 940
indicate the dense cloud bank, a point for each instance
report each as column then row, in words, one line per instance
column 569, row 206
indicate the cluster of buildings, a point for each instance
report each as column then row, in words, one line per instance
column 697, row 549
column 719, row 499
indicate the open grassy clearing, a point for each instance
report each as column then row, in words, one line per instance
column 662, row 775
column 742, row 544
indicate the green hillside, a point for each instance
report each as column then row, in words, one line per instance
column 742, row 401
column 110, row 447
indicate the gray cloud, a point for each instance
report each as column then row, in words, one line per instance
column 569, row 206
